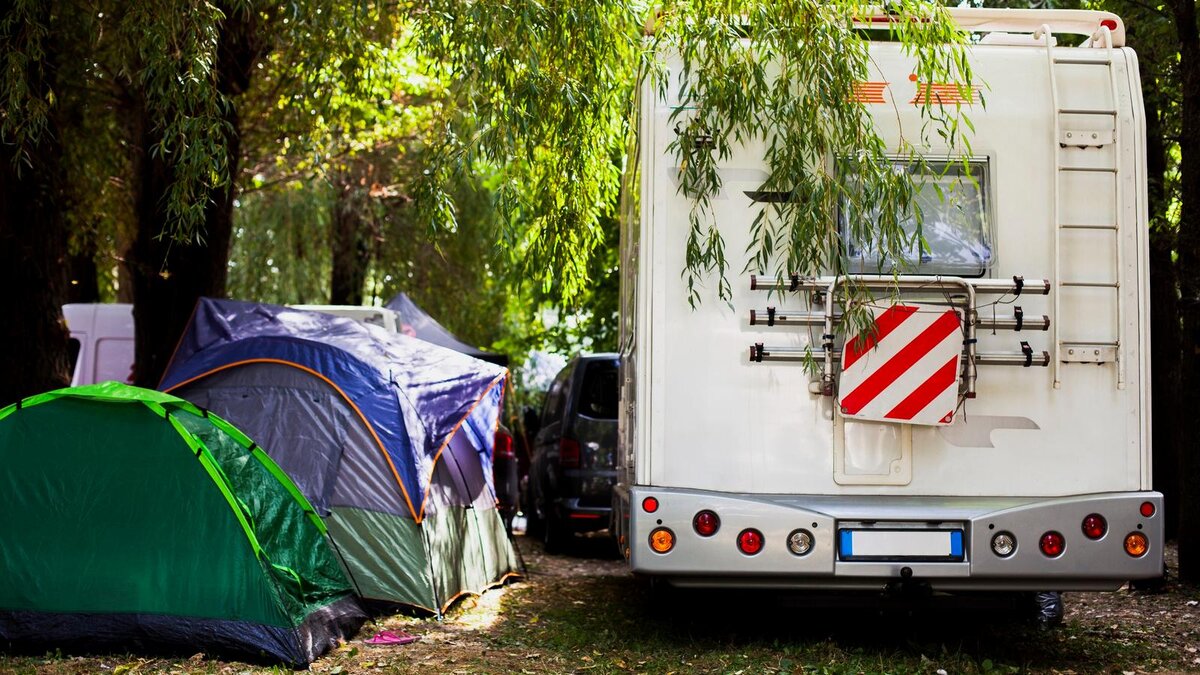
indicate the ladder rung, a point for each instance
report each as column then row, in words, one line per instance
column 1088, row 169
column 1078, row 343
column 1082, row 62
column 1088, row 227
column 1090, row 284
column 1086, row 111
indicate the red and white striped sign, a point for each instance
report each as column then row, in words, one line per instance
column 907, row 369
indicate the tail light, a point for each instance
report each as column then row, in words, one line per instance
column 1136, row 544
column 800, row 542
column 1052, row 544
column 1094, row 526
column 662, row 540
column 1110, row 24
column 1147, row 509
column 568, row 453
column 706, row 523
column 750, row 541
column 650, row 504
column 1004, row 544
column 504, row 445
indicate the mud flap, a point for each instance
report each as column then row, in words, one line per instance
column 1047, row 608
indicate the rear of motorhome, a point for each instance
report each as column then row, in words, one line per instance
column 992, row 432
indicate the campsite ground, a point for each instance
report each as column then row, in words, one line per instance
column 582, row 612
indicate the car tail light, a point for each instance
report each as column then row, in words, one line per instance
column 1094, row 526
column 662, row 540
column 1004, row 544
column 568, row 453
column 1136, row 544
column 1052, row 544
column 706, row 523
column 649, row 504
column 800, row 542
column 1147, row 509
column 504, row 445
column 750, row 541
column 1110, row 24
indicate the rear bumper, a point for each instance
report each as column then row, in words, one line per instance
column 716, row 561
column 581, row 518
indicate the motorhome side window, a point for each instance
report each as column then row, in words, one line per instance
column 952, row 198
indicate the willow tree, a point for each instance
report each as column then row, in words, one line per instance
column 550, row 86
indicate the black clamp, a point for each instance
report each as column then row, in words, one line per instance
column 770, row 316
column 756, row 352
column 1028, row 352
column 1020, row 315
column 1019, row 283
column 795, row 282
column 970, row 341
column 827, row 341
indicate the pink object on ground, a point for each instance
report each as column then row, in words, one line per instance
column 389, row 637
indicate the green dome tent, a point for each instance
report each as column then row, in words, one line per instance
column 132, row 518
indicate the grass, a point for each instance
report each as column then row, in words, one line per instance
column 578, row 615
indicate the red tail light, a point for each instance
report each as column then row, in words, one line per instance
column 504, row 445
column 1052, row 544
column 1147, row 509
column 1094, row 526
column 568, row 453
column 1109, row 24
column 706, row 523
column 750, row 541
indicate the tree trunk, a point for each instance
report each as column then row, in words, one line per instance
column 167, row 276
column 1188, row 270
column 83, row 278
column 1164, row 301
column 33, row 249
column 351, row 245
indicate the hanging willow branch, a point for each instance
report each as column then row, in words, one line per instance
column 784, row 73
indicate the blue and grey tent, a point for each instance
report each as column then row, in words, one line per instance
column 389, row 437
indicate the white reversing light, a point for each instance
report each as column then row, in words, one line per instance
column 800, row 542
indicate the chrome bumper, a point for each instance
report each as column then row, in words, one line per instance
column 716, row 561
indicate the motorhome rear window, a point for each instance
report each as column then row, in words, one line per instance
column 952, row 198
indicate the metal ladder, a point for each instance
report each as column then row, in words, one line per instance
column 1090, row 352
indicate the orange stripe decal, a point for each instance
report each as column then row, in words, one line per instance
column 945, row 93
column 869, row 92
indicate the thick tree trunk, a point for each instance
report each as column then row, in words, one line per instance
column 167, row 276
column 33, row 248
column 1188, row 250
column 1164, row 310
column 83, row 278
column 351, row 246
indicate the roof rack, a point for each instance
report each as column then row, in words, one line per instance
column 987, row 20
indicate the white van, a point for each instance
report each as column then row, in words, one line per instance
column 761, row 447
column 101, row 342
column 102, row 337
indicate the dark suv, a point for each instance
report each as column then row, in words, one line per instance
column 574, row 452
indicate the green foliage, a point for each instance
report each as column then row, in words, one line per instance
column 792, row 86
column 541, row 91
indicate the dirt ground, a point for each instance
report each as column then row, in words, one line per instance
column 584, row 613
column 548, row 623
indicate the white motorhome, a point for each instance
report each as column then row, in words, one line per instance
column 994, row 434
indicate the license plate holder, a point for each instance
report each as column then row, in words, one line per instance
column 900, row 545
